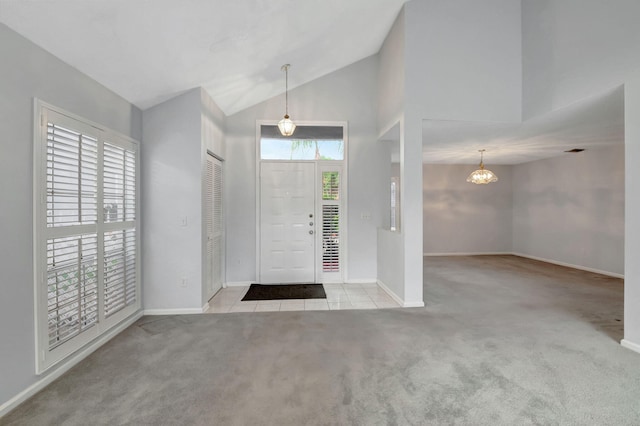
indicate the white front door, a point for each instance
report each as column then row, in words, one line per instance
column 287, row 222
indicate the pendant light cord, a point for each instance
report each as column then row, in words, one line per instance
column 285, row 67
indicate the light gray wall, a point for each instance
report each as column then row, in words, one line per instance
column 576, row 48
column 171, row 191
column 570, row 209
column 391, row 245
column 632, row 213
column 464, row 59
column 461, row 217
column 213, row 122
column 345, row 95
column 462, row 62
column 391, row 259
column 573, row 49
column 391, row 62
column 27, row 72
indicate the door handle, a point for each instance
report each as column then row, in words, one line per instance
column 310, row 232
column 310, row 223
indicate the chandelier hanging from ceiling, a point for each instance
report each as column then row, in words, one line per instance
column 482, row 176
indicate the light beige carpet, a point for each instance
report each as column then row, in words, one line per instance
column 502, row 341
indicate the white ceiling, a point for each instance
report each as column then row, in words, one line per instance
column 592, row 123
column 148, row 51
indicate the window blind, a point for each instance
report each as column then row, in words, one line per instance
column 331, row 238
column 72, row 177
column 331, row 221
column 72, row 286
column 86, row 238
column 119, row 184
column 119, row 270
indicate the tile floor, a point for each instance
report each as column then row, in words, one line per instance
column 339, row 296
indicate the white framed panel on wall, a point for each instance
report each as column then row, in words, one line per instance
column 86, row 232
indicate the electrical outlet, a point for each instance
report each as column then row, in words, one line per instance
column 182, row 282
column 183, row 221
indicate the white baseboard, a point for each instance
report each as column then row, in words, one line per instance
column 238, row 284
column 569, row 265
column 398, row 299
column 66, row 365
column 180, row 311
column 541, row 259
column 361, row 281
column 488, row 253
column 391, row 293
column 415, row 304
column 630, row 345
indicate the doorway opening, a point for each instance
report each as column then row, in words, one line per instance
column 301, row 204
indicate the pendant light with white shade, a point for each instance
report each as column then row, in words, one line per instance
column 285, row 125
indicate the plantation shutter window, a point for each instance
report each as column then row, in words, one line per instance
column 119, row 184
column 72, row 177
column 72, row 291
column 119, row 270
column 331, row 221
column 85, row 239
column 120, row 245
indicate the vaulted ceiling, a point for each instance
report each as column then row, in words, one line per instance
column 148, row 51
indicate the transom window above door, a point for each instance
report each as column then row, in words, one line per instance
column 307, row 143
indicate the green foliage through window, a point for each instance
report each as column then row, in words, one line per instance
column 331, row 186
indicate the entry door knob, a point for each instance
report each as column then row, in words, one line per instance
column 310, row 232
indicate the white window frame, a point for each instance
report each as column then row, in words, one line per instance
column 327, row 276
column 320, row 165
column 43, row 112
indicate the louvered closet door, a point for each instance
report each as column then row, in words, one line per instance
column 214, row 225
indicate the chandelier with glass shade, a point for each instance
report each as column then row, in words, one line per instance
column 285, row 125
column 482, row 176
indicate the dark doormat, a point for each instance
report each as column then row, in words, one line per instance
column 285, row 291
